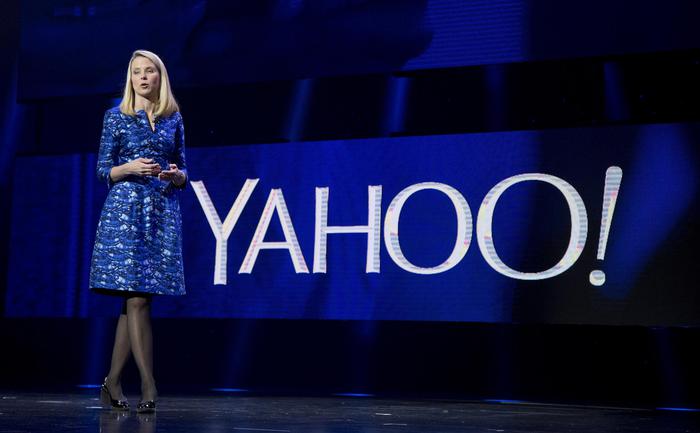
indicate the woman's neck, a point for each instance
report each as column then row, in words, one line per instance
column 145, row 104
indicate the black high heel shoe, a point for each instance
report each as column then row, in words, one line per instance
column 106, row 398
column 148, row 406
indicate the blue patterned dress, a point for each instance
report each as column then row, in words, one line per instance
column 138, row 246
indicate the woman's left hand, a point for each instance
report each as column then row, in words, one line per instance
column 174, row 174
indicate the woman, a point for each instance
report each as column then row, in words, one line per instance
column 138, row 246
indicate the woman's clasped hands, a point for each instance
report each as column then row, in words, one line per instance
column 148, row 167
column 143, row 167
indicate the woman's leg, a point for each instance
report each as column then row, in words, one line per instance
column 138, row 312
column 120, row 354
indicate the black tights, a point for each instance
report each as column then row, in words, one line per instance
column 133, row 336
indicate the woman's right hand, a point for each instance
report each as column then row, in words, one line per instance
column 142, row 167
column 138, row 167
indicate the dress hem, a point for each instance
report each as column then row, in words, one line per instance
column 126, row 292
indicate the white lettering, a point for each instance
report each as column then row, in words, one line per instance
column 464, row 228
column 222, row 231
column 577, row 240
column 372, row 229
column 275, row 203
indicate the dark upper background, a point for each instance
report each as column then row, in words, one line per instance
column 71, row 48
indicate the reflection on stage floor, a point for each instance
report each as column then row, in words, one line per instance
column 82, row 412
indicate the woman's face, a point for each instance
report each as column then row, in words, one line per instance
column 145, row 78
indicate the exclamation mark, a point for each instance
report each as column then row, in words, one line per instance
column 613, row 178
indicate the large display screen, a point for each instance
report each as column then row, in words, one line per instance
column 76, row 47
column 592, row 225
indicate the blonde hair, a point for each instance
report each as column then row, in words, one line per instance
column 166, row 104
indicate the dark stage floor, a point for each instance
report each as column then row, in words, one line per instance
column 37, row 413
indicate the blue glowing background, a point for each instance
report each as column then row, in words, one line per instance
column 53, row 225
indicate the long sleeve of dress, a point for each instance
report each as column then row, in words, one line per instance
column 107, row 155
column 179, row 152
